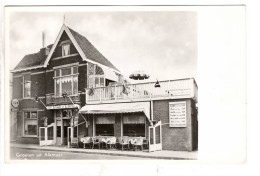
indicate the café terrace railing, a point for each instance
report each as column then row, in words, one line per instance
column 58, row 99
column 181, row 88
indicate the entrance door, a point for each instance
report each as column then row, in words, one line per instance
column 46, row 135
column 155, row 137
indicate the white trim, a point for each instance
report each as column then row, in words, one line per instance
column 76, row 45
column 17, row 76
column 63, row 28
column 66, row 65
column 36, row 73
column 28, row 68
column 23, row 111
column 51, row 70
column 62, row 57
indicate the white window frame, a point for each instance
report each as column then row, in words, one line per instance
column 72, row 75
column 97, row 76
column 26, row 74
column 63, row 49
column 36, row 119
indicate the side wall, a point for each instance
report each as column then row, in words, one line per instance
column 177, row 138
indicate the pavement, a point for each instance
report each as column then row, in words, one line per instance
column 163, row 154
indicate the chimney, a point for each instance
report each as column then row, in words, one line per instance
column 44, row 50
column 43, row 39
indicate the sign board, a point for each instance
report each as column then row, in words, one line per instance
column 177, row 114
column 63, row 106
column 15, row 103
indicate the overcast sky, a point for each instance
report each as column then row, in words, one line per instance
column 163, row 44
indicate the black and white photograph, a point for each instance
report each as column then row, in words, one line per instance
column 107, row 89
column 103, row 85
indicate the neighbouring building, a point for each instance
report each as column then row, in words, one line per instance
column 70, row 90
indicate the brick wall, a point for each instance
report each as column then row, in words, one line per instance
column 177, row 138
column 17, row 87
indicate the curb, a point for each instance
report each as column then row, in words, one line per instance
column 103, row 153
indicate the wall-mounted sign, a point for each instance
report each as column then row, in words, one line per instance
column 63, row 106
column 15, row 103
column 177, row 114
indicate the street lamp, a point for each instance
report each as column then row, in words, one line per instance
column 157, row 85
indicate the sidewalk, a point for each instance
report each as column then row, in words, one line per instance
column 165, row 154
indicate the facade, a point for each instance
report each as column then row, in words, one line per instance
column 70, row 90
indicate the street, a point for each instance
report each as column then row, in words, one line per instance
column 28, row 154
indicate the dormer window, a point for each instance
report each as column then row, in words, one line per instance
column 65, row 49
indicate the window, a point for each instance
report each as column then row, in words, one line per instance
column 105, row 126
column 134, row 125
column 30, row 123
column 96, row 78
column 65, row 50
column 26, row 86
column 66, row 80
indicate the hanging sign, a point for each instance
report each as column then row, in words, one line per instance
column 63, row 106
column 177, row 114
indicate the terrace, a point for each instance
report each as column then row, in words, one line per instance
column 171, row 89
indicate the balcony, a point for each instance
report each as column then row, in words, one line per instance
column 172, row 89
column 57, row 99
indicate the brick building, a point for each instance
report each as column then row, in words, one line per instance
column 70, row 90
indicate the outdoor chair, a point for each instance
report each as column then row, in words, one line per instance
column 146, row 143
column 112, row 142
column 103, row 142
column 139, row 142
column 124, row 143
column 86, row 141
column 74, row 142
column 132, row 142
column 95, row 141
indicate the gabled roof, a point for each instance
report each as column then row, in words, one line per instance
column 86, row 50
column 90, row 51
column 31, row 60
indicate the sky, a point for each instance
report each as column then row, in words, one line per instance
column 163, row 44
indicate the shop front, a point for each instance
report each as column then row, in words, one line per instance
column 63, row 129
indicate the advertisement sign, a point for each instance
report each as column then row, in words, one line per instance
column 177, row 114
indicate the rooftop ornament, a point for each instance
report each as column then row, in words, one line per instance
column 139, row 75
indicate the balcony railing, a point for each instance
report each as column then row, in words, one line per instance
column 57, row 99
column 182, row 88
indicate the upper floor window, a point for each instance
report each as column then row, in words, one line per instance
column 66, row 80
column 96, row 76
column 65, row 49
column 26, row 86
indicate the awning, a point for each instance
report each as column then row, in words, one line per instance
column 109, row 73
column 117, row 108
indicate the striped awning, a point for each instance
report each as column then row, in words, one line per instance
column 117, row 108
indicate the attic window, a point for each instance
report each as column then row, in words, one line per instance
column 65, row 50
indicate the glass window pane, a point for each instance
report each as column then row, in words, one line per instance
column 57, row 85
column 34, row 115
column 58, row 113
column 30, row 126
column 75, row 84
column 65, row 50
column 57, row 72
column 27, row 85
column 75, row 70
column 66, row 71
column 66, row 84
column 27, row 115
column 91, row 82
column 102, row 82
column 97, row 82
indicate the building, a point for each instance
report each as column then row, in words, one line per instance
column 70, row 90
